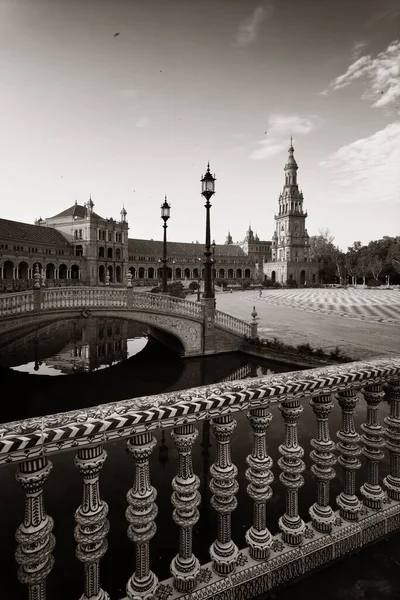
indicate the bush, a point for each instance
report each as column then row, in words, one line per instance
column 193, row 285
column 155, row 290
column 176, row 289
column 246, row 284
column 292, row 283
column 373, row 283
column 304, row 349
column 319, row 352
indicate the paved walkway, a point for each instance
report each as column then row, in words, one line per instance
column 362, row 323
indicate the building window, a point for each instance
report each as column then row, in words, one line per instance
column 110, row 236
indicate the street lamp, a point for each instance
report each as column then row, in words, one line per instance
column 198, row 279
column 165, row 214
column 214, row 272
column 208, row 190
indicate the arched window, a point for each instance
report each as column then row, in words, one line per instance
column 79, row 250
column 109, row 252
column 247, row 274
column 118, row 253
column 101, row 252
column 74, row 272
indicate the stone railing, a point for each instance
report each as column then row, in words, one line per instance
column 159, row 302
column 364, row 514
column 16, row 302
column 232, row 324
column 84, row 296
column 69, row 297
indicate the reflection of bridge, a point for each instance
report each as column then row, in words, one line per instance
column 199, row 328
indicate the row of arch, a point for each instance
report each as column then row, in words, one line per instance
column 151, row 273
column 23, row 270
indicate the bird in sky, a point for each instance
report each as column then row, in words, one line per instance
column 265, row 132
column 115, row 34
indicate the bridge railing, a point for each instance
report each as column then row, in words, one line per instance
column 362, row 514
column 232, row 324
column 83, row 296
column 160, row 302
column 16, row 302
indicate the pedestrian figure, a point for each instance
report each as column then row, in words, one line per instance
column 260, row 294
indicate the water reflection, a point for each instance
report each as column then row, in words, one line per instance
column 75, row 346
column 79, row 363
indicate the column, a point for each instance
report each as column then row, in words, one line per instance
column 186, row 498
column 223, row 486
column 34, row 536
column 290, row 524
column 371, row 491
column 392, row 434
column 141, row 512
column 321, row 513
column 349, row 504
column 259, row 476
column 92, row 524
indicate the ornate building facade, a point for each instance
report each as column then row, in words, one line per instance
column 290, row 250
column 79, row 247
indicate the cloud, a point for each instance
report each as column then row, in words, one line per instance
column 382, row 76
column 280, row 128
column 367, row 170
column 357, row 49
column 249, row 28
column 142, row 122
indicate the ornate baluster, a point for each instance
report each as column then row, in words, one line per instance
column 141, row 512
column 349, row 504
column 185, row 567
column 371, row 491
column 223, row 486
column 34, row 537
column 290, row 524
column 259, row 476
column 321, row 513
column 92, row 525
column 392, row 434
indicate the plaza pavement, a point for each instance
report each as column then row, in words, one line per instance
column 362, row 323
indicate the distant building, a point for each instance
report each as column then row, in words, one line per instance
column 79, row 247
column 290, row 251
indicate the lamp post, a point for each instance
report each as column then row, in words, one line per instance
column 198, row 279
column 208, row 190
column 165, row 214
column 214, row 271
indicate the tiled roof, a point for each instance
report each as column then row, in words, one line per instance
column 76, row 210
column 155, row 248
column 23, row 232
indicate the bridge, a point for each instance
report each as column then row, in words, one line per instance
column 198, row 327
column 344, row 517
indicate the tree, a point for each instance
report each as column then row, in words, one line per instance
column 193, row 285
column 323, row 251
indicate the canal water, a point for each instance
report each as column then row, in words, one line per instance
column 85, row 362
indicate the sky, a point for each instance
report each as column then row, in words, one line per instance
column 130, row 118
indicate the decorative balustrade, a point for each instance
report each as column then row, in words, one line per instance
column 159, row 302
column 16, row 302
column 83, row 297
column 364, row 513
column 232, row 324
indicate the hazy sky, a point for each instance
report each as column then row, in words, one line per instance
column 136, row 116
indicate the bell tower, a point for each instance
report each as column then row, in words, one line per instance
column 290, row 239
column 290, row 251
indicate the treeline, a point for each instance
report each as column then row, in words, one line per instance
column 374, row 264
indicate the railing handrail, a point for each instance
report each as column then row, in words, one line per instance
column 13, row 294
column 20, row 440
